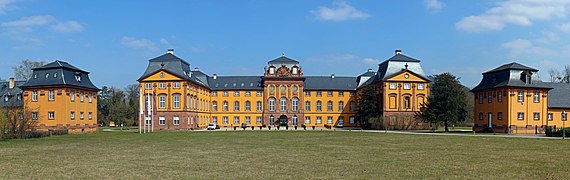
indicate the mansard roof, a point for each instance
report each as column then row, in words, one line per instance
column 559, row 96
column 330, row 83
column 236, row 83
column 11, row 93
column 178, row 67
column 510, row 75
column 59, row 73
column 282, row 60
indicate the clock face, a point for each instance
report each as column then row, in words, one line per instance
column 406, row 76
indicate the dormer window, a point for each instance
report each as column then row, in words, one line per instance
column 78, row 78
column 47, row 75
column 6, row 98
column 526, row 77
column 35, row 76
column 271, row 70
column 295, row 70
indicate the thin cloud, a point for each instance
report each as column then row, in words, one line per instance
column 340, row 11
column 135, row 43
column 434, row 5
column 29, row 21
column 515, row 12
column 68, row 27
column 5, row 5
column 370, row 61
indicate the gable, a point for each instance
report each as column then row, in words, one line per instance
column 162, row 75
column 412, row 77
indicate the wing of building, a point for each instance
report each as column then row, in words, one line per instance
column 176, row 97
column 513, row 99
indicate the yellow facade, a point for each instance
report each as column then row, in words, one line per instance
column 340, row 113
column 404, row 92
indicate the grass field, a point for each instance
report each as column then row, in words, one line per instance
column 282, row 155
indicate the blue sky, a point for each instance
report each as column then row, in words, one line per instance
column 114, row 39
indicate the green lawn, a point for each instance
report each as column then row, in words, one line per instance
column 282, row 155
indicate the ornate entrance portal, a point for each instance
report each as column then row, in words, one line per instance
column 283, row 120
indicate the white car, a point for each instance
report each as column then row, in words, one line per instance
column 211, row 126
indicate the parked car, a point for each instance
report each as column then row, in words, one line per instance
column 243, row 125
column 212, row 126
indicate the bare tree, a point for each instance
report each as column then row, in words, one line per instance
column 566, row 74
column 16, row 122
column 23, row 71
column 554, row 75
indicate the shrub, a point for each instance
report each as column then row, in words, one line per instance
column 486, row 130
column 558, row 133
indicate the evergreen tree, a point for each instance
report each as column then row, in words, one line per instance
column 367, row 105
column 446, row 104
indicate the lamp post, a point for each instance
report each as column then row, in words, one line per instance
column 564, row 117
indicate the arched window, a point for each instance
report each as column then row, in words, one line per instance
column 307, row 105
column 248, row 106
column 352, row 106
column 295, row 104
column 176, row 101
column 161, row 101
column 236, row 105
column 272, row 88
column 272, row 104
column 215, row 105
column 283, row 104
column 319, row 106
column 340, row 106
column 407, row 102
column 329, row 106
column 225, row 106
column 271, row 120
column 258, row 106
column 295, row 120
column 283, row 89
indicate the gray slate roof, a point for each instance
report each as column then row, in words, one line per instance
column 173, row 64
column 59, row 73
column 559, row 96
column 236, row 83
column 393, row 66
column 328, row 83
column 12, row 94
column 509, row 75
column 283, row 60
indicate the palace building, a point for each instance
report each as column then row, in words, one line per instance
column 174, row 96
column 61, row 96
column 513, row 99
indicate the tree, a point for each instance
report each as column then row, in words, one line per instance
column 23, row 71
column 16, row 121
column 446, row 103
column 560, row 77
column 132, row 92
column 367, row 105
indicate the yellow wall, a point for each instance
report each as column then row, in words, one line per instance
column 394, row 98
column 325, row 113
column 253, row 113
column 557, row 117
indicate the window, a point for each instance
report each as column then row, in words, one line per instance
column 352, row 93
column 248, row 93
column 247, row 106
column 341, row 121
column 272, row 88
column 500, row 115
column 161, row 120
column 307, row 120
column 307, row 105
column 407, row 102
column 308, row 93
column 392, row 85
column 72, row 95
column 258, row 93
column 176, row 85
column 564, row 116
column 283, row 104
column 319, row 120
column 214, row 93
column 420, row 86
column 520, row 116
column 225, row 106
column 90, row 97
column 500, row 96
column 51, row 115
column 352, row 106
column 319, row 93
column 272, row 104
column 295, row 70
column 550, row 117
column 225, row 120
column 340, row 106
column 407, row 86
column 148, row 86
column 162, row 85
column 72, row 115
column 215, row 105
column 236, row 93
column 6, row 98
column 536, row 116
column 35, row 115
column 258, row 106
column 536, row 97
column 90, row 115
column 176, row 103
column 520, row 96
column 490, row 97
column 34, row 95
column 319, row 106
column 329, row 120
column 283, row 89
column 351, row 120
column 340, row 94
column 236, row 119
column 147, row 120
column 271, row 120
column 480, row 116
column 248, row 120
column 271, row 70
column 295, row 104
column 81, row 96
column 258, row 119
column 162, row 101
column 51, row 95
column 329, row 106
column 236, row 105
column 330, row 94
column 295, row 120
column 81, row 115
column 215, row 119
column 295, row 88
column 480, row 98
column 47, row 75
column 176, row 120
column 225, row 94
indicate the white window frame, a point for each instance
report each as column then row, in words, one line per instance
column 81, row 96
column 536, row 97
column 259, row 106
column 176, row 85
column 247, row 106
column 72, row 115
column 329, row 120
column 162, row 101
column 236, row 105
column 225, row 120
column 35, row 95
column 520, row 96
column 329, row 106
column 341, row 106
column 51, row 115
column 319, row 120
column 351, row 120
column 90, row 115
column 392, row 85
column 51, row 95
column 81, row 116
column 236, row 120
column 520, row 116
column 307, row 120
column 225, row 105
column 258, row 119
column 214, row 105
column 407, row 86
column 176, row 101
column 176, row 120
column 420, row 86
column 295, row 104
column 258, row 93
column 148, row 86
column 536, row 116
column 295, row 120
column 248, row 119
column 236, row 93
column 307, row 105
column 319, row 106
column 72, row 95
column 162, row 85
column 500, row 96
column 161, row 120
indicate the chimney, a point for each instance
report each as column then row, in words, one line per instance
column 398, row 51
column 332, row 76
column 170, row 51
column 215, row 76
column 196, row 69
column 11, row 85
column 369, row 70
